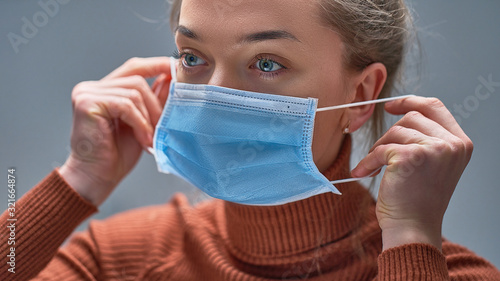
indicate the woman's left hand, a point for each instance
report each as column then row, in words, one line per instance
column 425, row 153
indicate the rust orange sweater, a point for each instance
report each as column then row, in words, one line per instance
column 325, row 237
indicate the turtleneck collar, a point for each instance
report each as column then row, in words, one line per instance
column 287, row 233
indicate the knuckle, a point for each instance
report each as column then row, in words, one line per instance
column 137, row 79
column 464, row 146
column 80, row 101
column 395, row 129
column 469, row 146
column 411, row 117
column 79, row 88
column 141, row 83
column 122, row 108
column 457, row 145
column 132, row 62
column 413, row 114
column 417, row 157
column 83, row 105
column 77, row 99
column 435, row 102
column 440, row 146
column 126, row 104
column 77, row 102
column 379, row 150
column 135, row 96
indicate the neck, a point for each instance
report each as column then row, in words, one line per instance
column 284, row 234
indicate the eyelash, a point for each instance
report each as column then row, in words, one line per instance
column 269, row 75
column 178, row 55
column 265, row 75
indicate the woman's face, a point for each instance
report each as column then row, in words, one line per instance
column 276, row 47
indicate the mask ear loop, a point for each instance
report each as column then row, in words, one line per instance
column 363, row 103
column 173, row 69
column 173, row 73
column 356, row 179
column 354, row 105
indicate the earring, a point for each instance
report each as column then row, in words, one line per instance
column 346, row 128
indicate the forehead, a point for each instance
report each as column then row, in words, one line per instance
column 231, row 17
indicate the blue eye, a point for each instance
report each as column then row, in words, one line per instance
column 191, row 60
column 268, row 65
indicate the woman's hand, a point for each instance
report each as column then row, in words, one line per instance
column 425, row 153
column 113, row 121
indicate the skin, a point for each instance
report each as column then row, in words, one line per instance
column 425, row 152
column 313, row 67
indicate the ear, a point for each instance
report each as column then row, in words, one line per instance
column 367, row 86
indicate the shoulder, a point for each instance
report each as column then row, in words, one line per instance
column 145, row 216
column 135, row 242
column 148, row 229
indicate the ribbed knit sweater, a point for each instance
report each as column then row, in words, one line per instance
column 325, row 237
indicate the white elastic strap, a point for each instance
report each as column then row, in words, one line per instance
column 173, row 70
column 363, row 103
column 173, row 73
column 360, row 104
column 355, row 179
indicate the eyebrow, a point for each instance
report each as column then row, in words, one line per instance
column 268, row 35
column 251, row 38
column 187, row 32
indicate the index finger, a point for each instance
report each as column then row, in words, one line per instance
column 145, row 67
column 431, row 108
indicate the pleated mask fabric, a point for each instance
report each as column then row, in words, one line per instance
column 240, row 146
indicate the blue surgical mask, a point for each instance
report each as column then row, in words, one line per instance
column 239, row 146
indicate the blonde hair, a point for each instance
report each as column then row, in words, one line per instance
column 372, row 31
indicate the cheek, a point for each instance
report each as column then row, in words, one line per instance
column 327, row 138
column 329, row 92
column 328, row 125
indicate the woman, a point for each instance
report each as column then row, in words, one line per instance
column 338, row 52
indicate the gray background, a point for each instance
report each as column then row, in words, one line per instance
column 85, row 40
